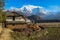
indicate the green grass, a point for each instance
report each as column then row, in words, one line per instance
column 47, row 34
column 53, row 34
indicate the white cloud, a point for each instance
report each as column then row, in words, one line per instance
column 29, row 7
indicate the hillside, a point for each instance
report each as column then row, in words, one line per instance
column 8, row 34
column 47, row 34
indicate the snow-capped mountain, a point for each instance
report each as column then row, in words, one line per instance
column 33, row 9
column 29, row 10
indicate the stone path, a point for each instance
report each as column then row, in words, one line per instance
column 5, row 34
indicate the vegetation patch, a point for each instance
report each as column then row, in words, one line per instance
column 49, row 33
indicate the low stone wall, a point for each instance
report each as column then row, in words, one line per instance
column 16, row 26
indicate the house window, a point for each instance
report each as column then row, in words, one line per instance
column 9, row 19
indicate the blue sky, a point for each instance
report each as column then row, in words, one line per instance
column 20, row 3
column 50, row 5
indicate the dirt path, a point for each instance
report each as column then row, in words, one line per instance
column 5, row 34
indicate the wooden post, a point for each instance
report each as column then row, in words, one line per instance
column 4, row 24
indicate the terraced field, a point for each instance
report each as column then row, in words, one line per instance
column 51, row 32
column 55, row 24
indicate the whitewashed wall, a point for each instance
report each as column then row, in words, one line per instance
column 19, row 20
column 9, row 20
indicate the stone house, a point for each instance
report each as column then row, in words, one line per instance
column 15, row 20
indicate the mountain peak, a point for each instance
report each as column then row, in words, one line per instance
column 29, row 7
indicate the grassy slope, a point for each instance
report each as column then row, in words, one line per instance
column 52, row 34
column 47, row 34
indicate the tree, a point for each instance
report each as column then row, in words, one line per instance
column 1, row 8
column 2, row 13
